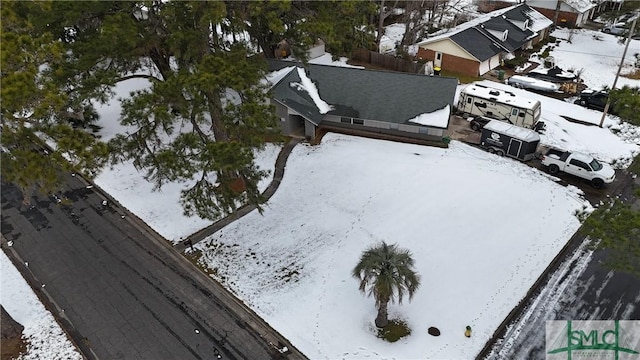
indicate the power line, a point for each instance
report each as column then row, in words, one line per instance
column 588, row 53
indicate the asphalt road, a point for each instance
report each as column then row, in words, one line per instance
column 581, row 288
column 120, row 292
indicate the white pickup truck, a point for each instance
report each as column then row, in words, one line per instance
column 579, row 164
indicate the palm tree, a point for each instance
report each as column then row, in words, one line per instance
column 387, row 271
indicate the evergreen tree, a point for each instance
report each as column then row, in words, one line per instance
column 342, row 25
column 205, row 111
column 34, row 104
column 626, row 102
column 616, row 227
column 386, row 272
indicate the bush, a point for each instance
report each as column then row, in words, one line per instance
column 515, row 62
column 394, row 331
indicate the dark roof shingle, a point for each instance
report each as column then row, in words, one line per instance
column 367, row 94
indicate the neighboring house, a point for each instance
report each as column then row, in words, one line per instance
column 309, row 97
column 572, row 13
column 478, row 46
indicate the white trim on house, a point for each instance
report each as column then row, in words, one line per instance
column 455, row 50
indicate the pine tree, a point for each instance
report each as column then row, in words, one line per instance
column 626, row 102
column 616, row 227
column 205, row 111
column 34, row 104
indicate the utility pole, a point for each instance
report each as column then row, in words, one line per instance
column 557, row 12
column 626, row 46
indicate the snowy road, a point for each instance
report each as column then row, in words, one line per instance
column 581, row 289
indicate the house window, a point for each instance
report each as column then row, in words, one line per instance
column 438, row 56
column 514, row 112
column 345, row 120
column 358, row 121
column 480, row 105
column 469, row 100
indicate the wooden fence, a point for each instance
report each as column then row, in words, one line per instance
column 388, row 62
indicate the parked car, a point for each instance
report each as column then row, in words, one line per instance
column 580, row 165
column 615, row 29
column 526, row 82
column 593, row 99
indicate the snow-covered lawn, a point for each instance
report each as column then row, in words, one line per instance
column 161, row 209
column 481, row 228
column 46, row 338
column 597, row 54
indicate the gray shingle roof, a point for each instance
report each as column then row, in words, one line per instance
column 367, row 94
column 499, row 20
column 516, row 37
column 477, row 44
column 518, row 13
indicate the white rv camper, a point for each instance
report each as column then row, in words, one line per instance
column 500, row 105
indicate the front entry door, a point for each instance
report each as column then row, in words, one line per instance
column 438, row 60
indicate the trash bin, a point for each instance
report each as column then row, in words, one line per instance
column 500, row 74
column 436, row 70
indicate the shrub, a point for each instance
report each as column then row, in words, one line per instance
column 394, row 331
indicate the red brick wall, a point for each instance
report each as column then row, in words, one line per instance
column 452, row 63
column 486, row 6
column 569, row 17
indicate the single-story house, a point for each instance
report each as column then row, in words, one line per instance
column 412, row 106
column 480, row 45
column 572, row 13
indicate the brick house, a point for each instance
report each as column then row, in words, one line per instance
column 480, row 45
column 572, row 13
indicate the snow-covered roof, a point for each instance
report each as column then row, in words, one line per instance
column 307, row 85
column 394, row 97
column 438, row 118
column 274, row 77
column 501, row 96
column 446, row 33
column 512, row 130
column 537, row 22
column 580, row 5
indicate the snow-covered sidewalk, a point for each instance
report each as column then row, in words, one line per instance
column 46, row 339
